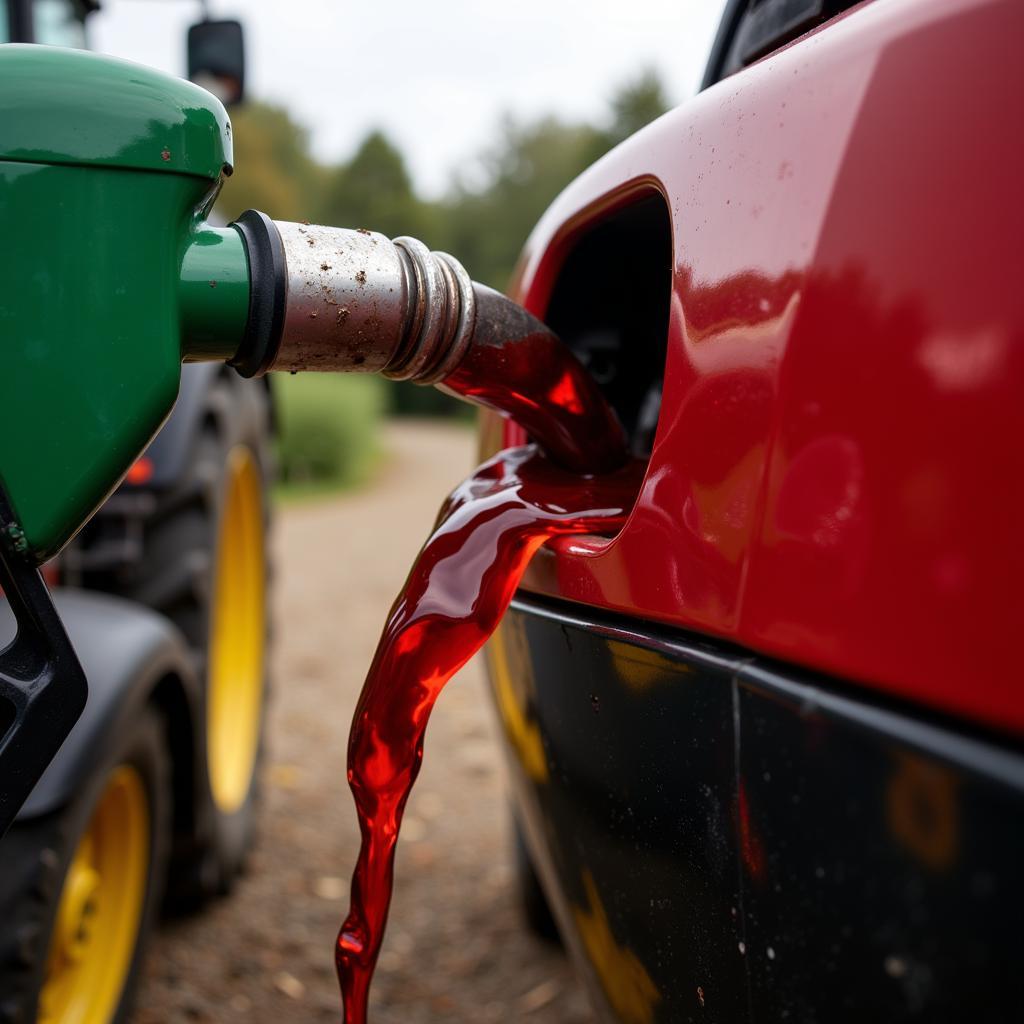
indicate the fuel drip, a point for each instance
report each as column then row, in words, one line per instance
column 456, row 594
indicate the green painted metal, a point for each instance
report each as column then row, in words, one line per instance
column 214, row 294
column 73, row 107
column 89, row 322
column 101, row 274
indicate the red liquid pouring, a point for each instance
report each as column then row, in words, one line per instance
column 458, row 590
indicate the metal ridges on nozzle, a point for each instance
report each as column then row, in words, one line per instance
column 354, row 301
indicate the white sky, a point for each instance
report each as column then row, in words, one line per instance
column 436, row 76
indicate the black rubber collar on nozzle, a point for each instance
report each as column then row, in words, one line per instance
column 268, row 288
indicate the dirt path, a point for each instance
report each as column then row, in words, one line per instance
column 456, row 950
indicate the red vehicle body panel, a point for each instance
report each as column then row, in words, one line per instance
column 837, row 474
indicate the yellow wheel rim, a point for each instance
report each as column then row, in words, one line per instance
column 237, row 628
column 100, row 910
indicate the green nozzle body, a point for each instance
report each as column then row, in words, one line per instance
column 107, row 171
column 213, row 294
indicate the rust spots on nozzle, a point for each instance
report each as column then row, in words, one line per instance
column 361, row 277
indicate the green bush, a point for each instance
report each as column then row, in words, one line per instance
column 328, row 425
column 405, row 399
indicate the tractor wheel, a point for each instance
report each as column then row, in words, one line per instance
column 205, row 566
column 80, row 889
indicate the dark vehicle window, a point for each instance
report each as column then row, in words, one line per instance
column 610, row 303
column 751, row 29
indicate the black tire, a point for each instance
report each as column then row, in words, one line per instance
column 175, row 576
column 37, row 853
column 533, row 903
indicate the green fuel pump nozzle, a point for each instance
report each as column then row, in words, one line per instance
column 111, row 276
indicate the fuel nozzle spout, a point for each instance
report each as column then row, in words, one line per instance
column 342, row 300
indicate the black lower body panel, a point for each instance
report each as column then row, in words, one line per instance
column 725, row 840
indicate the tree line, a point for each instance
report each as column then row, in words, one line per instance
column 484, row 223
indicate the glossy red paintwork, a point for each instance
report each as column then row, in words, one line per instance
column 837, row 475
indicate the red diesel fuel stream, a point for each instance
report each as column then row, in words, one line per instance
column 457, row 592
column 352, row 301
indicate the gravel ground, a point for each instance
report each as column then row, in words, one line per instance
column 456, row 949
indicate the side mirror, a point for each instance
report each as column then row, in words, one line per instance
column 216, row 59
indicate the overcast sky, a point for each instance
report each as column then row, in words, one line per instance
column 436, row 76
